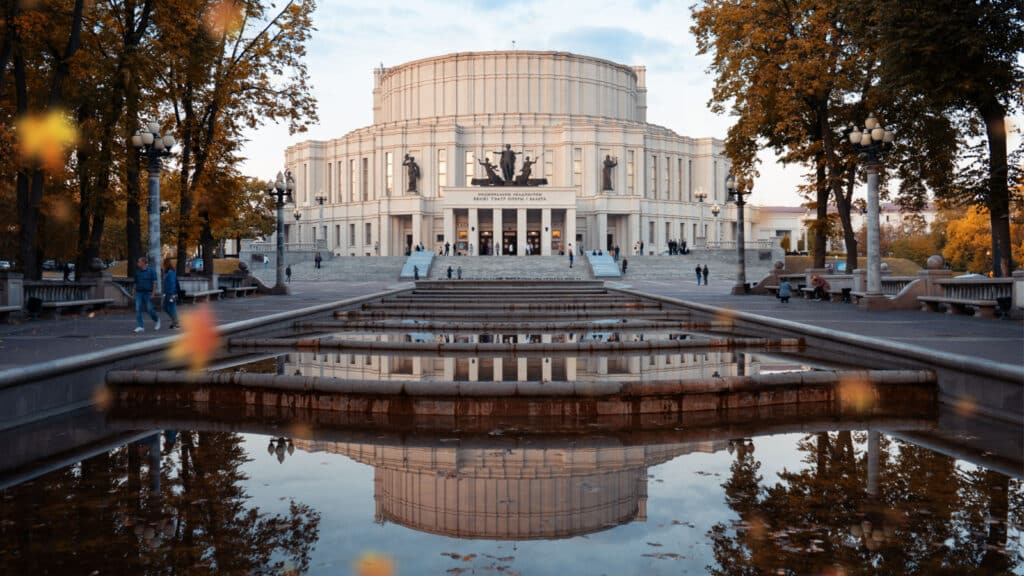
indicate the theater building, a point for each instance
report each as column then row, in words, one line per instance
column 612, row 177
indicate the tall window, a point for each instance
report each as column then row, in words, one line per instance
column 654, row 179
column 351, row 234
column 714, row 180
column 389, row 173
column 364, row 179
column 470, row 167
column 689, row 180
column 630, row 169
column 369, row 234
column 352, row 194
column 442, row 170
column 679, row 183
column 577, row 166
column 341, row 183
column 337, row 234
column 650, row 234
column 330, row 183
column 305, row 183
column 668, row 232
column 549, row 166
column 667, row 189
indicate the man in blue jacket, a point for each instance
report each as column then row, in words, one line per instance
column 145, row 284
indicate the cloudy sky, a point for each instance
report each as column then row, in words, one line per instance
column 353, row 38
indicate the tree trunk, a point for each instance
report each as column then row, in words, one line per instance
column 999, row 195
column 133, row 212
column 844, row 206
column 207, row 243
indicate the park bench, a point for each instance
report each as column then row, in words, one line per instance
column 968, row 295
column 51, row 299
column 197, row 289
column 233, row 287
column 5, row 312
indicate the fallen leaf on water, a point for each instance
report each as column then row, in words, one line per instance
column 374, row 564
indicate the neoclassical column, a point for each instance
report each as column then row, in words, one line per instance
column 545, row 234
column 384, row 235
column 634, row 232
column 498, row 232
column 449, row 226
column 417, row 229
column 659, row 236
column 474, row 231
column 570, row 369
column 570, row 228
column 602, row 232
column 498, row 370
column 474, row 369
column 521, row 231
column 449, row 369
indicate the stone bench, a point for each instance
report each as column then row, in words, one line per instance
column 5, row 312
column 54, row 309
column 238, row 291
column 980, row 308
column 201, row 295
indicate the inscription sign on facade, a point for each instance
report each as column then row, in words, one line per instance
column 509, row 196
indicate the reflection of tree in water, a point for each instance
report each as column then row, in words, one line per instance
column 104, row 515
column 928, row 516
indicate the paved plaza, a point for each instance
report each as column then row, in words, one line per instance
column 37, row 341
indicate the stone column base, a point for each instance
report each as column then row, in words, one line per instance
column 281, row 290
column 873, row 303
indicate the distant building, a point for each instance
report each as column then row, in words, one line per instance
column 792, row 222
column 568, row 113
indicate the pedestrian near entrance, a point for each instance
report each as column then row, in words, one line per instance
column 171, row 293
column 318, row 259
column 447, row 248
column 625, row 264
column 470, row 248
column 570, row 258
column 416, row 272
column 288, row 273
column 705, row 274
column 699, row 274
column 458, row 273
column 145, row 284
column 449, row 272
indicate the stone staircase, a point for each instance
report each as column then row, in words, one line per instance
column 510, row 267
column 340, row 269
column 721, row 266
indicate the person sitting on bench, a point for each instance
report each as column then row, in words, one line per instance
column 820, row 287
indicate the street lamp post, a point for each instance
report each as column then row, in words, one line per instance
column 736, row 194
column 152, row 146
column 872, row 143
column 320, row 199
column 298, row 231
column 701, row 195
column 281, row 190
column 715, row 211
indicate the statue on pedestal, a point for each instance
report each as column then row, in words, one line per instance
column 609, row 163
column 413, row 172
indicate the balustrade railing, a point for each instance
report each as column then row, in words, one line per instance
column 893, row 285
column 977, row 289
column 48, row 291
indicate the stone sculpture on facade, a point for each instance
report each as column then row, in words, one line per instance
column 507, row 163
column 524, row 176
column 609, row 163
column 413, row 171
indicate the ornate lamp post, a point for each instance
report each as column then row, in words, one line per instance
column 152, row 146
column 872, row 143
column 715, row 211
column 320, row 199
column 701, row 195
column 298, row 231
column 281, row 189
column 736, row 195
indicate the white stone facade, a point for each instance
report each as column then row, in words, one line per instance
column 565, row 111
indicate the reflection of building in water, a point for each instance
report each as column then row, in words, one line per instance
column 631, row 367
column 507, row 492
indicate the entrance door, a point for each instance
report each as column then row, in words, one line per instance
column 486, row 243
column 508, row 243
column 533, row 239
column 610, row 243
column 408, row 244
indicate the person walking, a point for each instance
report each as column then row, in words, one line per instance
column 458, row 273
column 416, row 272
column 449, row 272
column 67, row 271
column 625, row 264
column 145, row 284
column 570, row 258
column 705, row 274
column 699, row 274
column 171, row 293
column 447, row 248
column 317, row 259
column 288, row 273
column 785, row 291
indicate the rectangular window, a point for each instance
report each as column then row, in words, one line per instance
column 389, row 173
column 668, row 232
column 305, row 182
column 714, row 181
column 369, row 234
column 630, row 169
column 679, row 182
column 577, row 166
column 653, row 192
column 351, row 234
column 364, row 179
column 549, row 166
column 689, row 180
column 352, row 196
column 337, row 235
column 470, row 167
column 442, row 170
column 330, row 183
column 667, row 189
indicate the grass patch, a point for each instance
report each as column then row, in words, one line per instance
column 897, row 266
column 220, row 266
